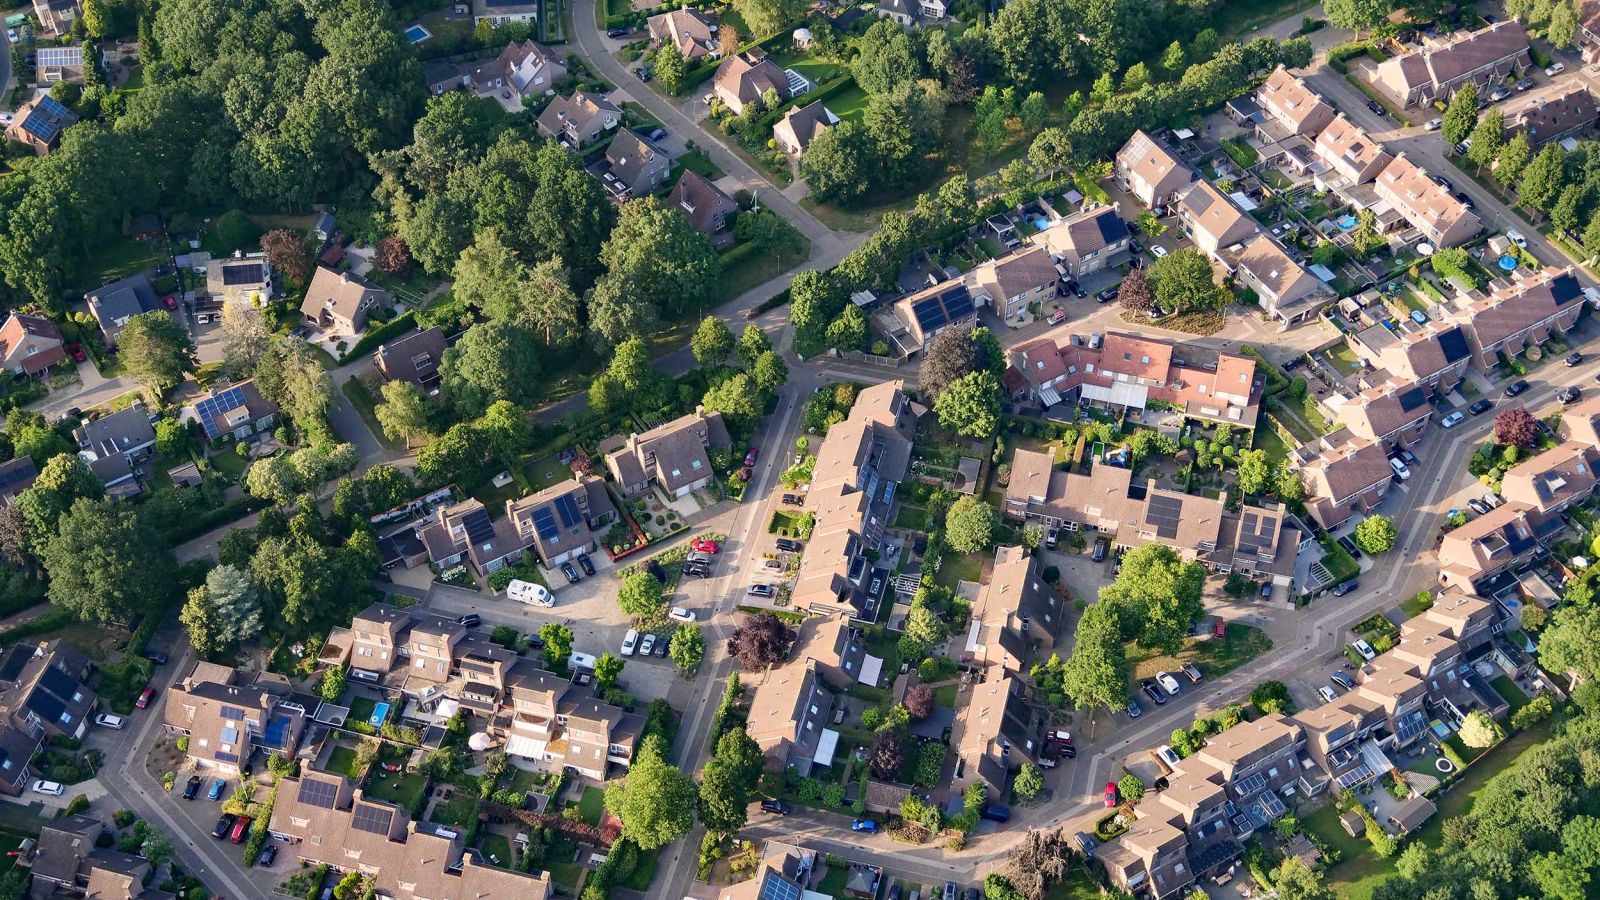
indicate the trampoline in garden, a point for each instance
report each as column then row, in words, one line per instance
column 1346, row 222
column 1508, row 263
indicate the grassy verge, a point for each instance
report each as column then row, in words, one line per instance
column 1213, row 657
column 366, row 407
column 748, row 266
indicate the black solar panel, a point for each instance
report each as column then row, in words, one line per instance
column 15, row 661
column 957, row 303
column 232, row 712
column 567, row 509
column 249, row 273
column 372, row 819
column 41, row 126
column 544, row 522
column 51, row 106
column 1565, row 289
column 318, row 793
column 479, row 528
column 776, row 887
column 211, row 409
column 1164, row 513
column 46, row 707
column 58, row 682
column 929, row 313
column 1414, row 398
column 1454, row 345
column 1112, row 228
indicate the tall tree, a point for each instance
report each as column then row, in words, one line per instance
column 1487, row 138
column 753, row 342
column 156, row 350
column 1461, row 115
column 245, row 339
column 1096, row 674
column 838, row 166
column 712, row 342
column 656, row 802
column 63, row 480
column 1376, row 534
column 760, row 641
column 1563, row 28
column 492, row 361
column 953, row 354
column 1356, row 14
column 288, row 253
column 1134, row 292
column 1513, row 158
column 970, row 405
column 1294, row 880
column 640, row 594
column 403, row 414
column 224, row 612
column 669, row 66
column 104, row 566
column 1157, row 589
column 888, row 58
column 766, row 17
column 1182, row 281
column 659, row 256
column 1544, row 178
column 969, row 525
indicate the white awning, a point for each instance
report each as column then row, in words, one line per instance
column 525, row 747
column 825, row 747
column 1048, row 396
column 1120, row 393
column 446, row 708
column 871, row 670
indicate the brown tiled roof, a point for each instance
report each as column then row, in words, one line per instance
column 804, row 124
column 1423, row 201
column 1385, row 408
column 1293, row 103
column 1347, row 470
column 415, row 357
column 1548, row 113
column 1449, row 60
column 1215, row 214
column 1553, row 477
column 1522, row 304
column 1272, row 267
column 1017, row 274
column 747, row 76
column 689, row 28
column 1343, row 143
column 701, row 202
column 32, row 342
column 342, row 292
column 1149, row 160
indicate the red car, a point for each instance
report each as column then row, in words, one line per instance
column 145, row 697
column 76, row 350
column 1111, row 794
column 750, row 457
column 171, row 300
column 705, row 546
column 241, row 827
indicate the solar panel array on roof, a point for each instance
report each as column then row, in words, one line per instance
column 1454, row 345
column 275, row 735
column 317, row 793
column 567, row 509
column 46, row 706
column 15, row 661
column 1256, row 532
column 51, row 106
column 1414, row 398
column 372, row 819
column 949, row 305
column 479, row 529
column 1565, row 289
column 41, row 126
column 58, row 682
column 232, row 712
column 1163, row 512
column 60, row 56
column 246, row 273
column 225, row 756
column 776, row 887
column 544, row 522
column 1112, row 228
column 212, row 409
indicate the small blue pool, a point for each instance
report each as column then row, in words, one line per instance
column 1441, row 729
column 1040, row 223
column 1345, row 222
column 416, row 34
column 1508, row 263
column 379, row 714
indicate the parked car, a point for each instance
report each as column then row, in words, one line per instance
column 572, row 574
column 581, row 661
column 1481, row 407
column 107, row 720
column 1266, row 590
column 994, row 812
column 949, row 890
column 1452, row 420
column 750, row 456
column 617, row 32
column 1192, row 673
column 1111, row 795
column 1465, row 200
column 657, row 134
column 1478, row 506
column 679, row 614
column 704, row 547
column 1443, row 182
column 1134, row 709
column 1346, row 587
column 1107, row 295
column 530, row 593
column 1377, row 107
column 269, row 854
column 1168, row 683
column 1493, row 499
column 1498, row 94
column 1165, row 755
column 1086, row 843
column 1057, row 317
column 223, row 826
column 585, row 564
column 790, row 544
column 1327, row 694
column 1525, row 84
column 867, row 825
column 698, row 570
column 1342, row 680
column 1158, row 251
column 780, row 807
column 191, row 788
column 1400, row 469
column 1569, row 394
column 1156, row 695
column 76, row 350
column 1077, row 289
column 156, row 656
column 217, row 787
column 1516, row 237
column 145, row 696
column 1555, row 68
column 661, row 646
column 647, row 645
column 642, row 74
column 1434, row 124
column 470, row 620
column 761, row 590
column 1365, row 649
column 52, row 788
column 1349, row 546
column 241, row 827
column 1574, row 358
column 630, row 642
column 698, row 558
column 1099, row 551
column 794, row 500
column 1516, row 388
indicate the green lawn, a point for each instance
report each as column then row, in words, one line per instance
column 230, row 464
column 365, row 405
column 121, row 257
column 815, row 70
column 746, row 266
column 496, row 850
column 361, row 709
column 8, row 842
column 956, row 567
column 833, row 883
column 1213, row 657
column 1416, row 605
column 592, row 805
column 343, row 761
column 404, row 789
column 1236, row 17
column 1340, row 564
column 1505, row 687
column 1344, row 359
column 850, row 103
column 1267, row 439
column 945, row 695
column 699, row 163
column 644, row 873
column 1078, row 885
column 459, row 809
column 545, row 471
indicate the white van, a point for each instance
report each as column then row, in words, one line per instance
column 580, row 661
column 528, row 592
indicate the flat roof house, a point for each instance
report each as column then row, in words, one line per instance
column 1342, row 473
column 499, row 12
column 1087, row 241
column 227, row 720
column 1150, row 171
column 339, row 302
column 1211, row 219
column 1444, row 64
column 1517, row 315
column 414, row 358
column 1394, row 413
column 801, row 125
column 708, row 209
column 30, row 344
column 114, row 303
column 1429, row 206
column 676, row 456
column 240, row 279
column 579, row 119
column 55, row 16
column 745, row 78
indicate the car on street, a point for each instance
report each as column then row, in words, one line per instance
column 470, row 620
column 949, row 890
column 791, row 545
column 1168, row 683
column 630, row 642
column 1569, row 394
column 1377, row 107
column 53, row 788
column 107, row 720
column 191, row 788
column 269, row 855
column 647, row 645
column 761, row 590
column 1516, row 237
column 994, row 812
column 642, row 74
column 218, row 785
column 1111, row 795
column 1365, row 649
column 1346, row 587
column 750, row 456
column 704, row 547
column 1516, row 388
column 679, row 614
column 1156, row 695
column 1434, row 124
column 867, row 825
column 1574, row 358
column 530, row 593
column 1525, row 84
column 1107, row 295
column 585, row 564
column 1465, row 200
column 1134, row 709
column 1057, row 317
column 1192, row 673
column 1498, row 94
column 1158, row 251
column 1400, row 469
column 241, row 827
column 1555, row 68
column 1452, row 420
column 1481, row 407
column 156, row 656
column 780, row 807
column 1342, row 680
column 1327, row 694
column 223, row 826
column 145, row 696
column 697, row 570
column 617, row 33
column 572, row 574
column 1443, row 182
column 794, row 500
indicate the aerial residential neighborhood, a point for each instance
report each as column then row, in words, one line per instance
column 727, row 450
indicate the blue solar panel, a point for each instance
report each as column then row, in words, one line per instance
column 276, row 733
column 929, row 313
column 41, row 126
column 567, row 508
column 232, row 712
column 957, row 303
column 210, row 410
column 544, row 522
column 52, row 106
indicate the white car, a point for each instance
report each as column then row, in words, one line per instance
column 1365, row 649
column 1157, row 251
column 1167, row 757
column 679, row 614
column 1434, row 124
column 1516, row 237
column 630, row 642
column 53, row 788
column 107, row 720
column 1400, row 469
column 648, row 644
column 1168, row 683
column 1555, row 69
column 528, row 592
column 1327, row 694
column 1452, row 420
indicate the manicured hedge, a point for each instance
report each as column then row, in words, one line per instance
column 375, row 337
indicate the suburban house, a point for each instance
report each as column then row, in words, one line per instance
column 920, row 316
column 53, row 64
column 1211, row 220
column 579, row 119
column 1016, row 616
column 674, row 456
column 1589, row 30
column 785, row 870
column 1087, row 241
column 414, row 358
column 1260, row 543
column 560, row 725
column 236, row 412
column 994, row 734
column 1527, row 311
column 30, row 344
column 227, row 718
column 907, row 13
column 39, row 123
column 1429, row 206
column 709, row 210
column 1507, row 536
column 523, row 69
column 745, row 78
column 1150, row 171
column 859, row 466
column 499, row 12
column 55, row 16
column 1394, row 413
column 560, row 522
column 801, row 125
column 1551, row 113
column 339, row 302
column 1013, row 284
column 1110, row 503
column 1283, row 288
column 1443, row 64
column 464, row 532
column 16, row 475
column 1292, row 105
column 325, row 820
column 114, row 303
column 1350, row 155
column 638, row 168
column 1341, row 474
column 1553, row 480
column 693, row 32
column 44, row 690
column 240, row 279
column 112, row 445
column 1128, row 372
column 1434, row 354
column 69, row 861
column 789, row 716
column 1581, row 423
